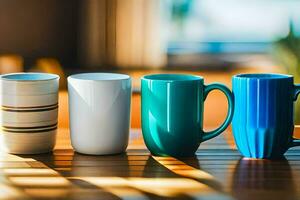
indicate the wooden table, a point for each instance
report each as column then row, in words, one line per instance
column 216, row 172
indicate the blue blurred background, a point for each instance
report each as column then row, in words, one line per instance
column 229, row 26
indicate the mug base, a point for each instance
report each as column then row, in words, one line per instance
column 100, row 154
column 281, row 157
column 28, row 143
column 46, row 151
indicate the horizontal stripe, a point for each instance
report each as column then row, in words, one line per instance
column 34, row 127
column 32, row 110
column 28, row 107
column 33, row 131
column 35, row 122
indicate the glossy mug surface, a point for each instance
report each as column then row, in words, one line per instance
column 172, row 113
column 263, row 118
column 99, row 109
column 29, row 110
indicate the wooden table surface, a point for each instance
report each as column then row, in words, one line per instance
column 216, row 172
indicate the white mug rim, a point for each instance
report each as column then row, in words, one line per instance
column 46, row 77
column 99, row 76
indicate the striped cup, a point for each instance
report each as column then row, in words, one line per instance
column 29, row 110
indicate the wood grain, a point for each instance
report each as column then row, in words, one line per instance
column 217, row 171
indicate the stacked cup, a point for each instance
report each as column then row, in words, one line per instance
column 29, row 109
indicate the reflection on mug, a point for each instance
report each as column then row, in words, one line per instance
column 261, row 179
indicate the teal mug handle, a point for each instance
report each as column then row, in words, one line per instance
column 296, row 142
column 217, row 86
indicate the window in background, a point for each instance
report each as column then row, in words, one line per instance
column 226, row 27
column 230, row 25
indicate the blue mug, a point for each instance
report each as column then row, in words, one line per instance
column 263, row 118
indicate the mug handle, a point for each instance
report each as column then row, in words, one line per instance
column 296, row 142
column 230, row 99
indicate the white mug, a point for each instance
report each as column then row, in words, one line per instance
column 99, row 111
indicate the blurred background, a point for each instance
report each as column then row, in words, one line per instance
column 211, row 38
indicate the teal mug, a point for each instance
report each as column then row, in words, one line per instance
column 172, row 113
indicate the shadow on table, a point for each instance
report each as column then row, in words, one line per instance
column 263, row 179
column 135, row 174
column 199, row 174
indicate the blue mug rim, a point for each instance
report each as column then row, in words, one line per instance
column 262, row 76
column 172, row 77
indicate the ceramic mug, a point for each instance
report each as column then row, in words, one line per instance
column 263, row 119
column 99, row 111
column 172, row 113
column 29, row 110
